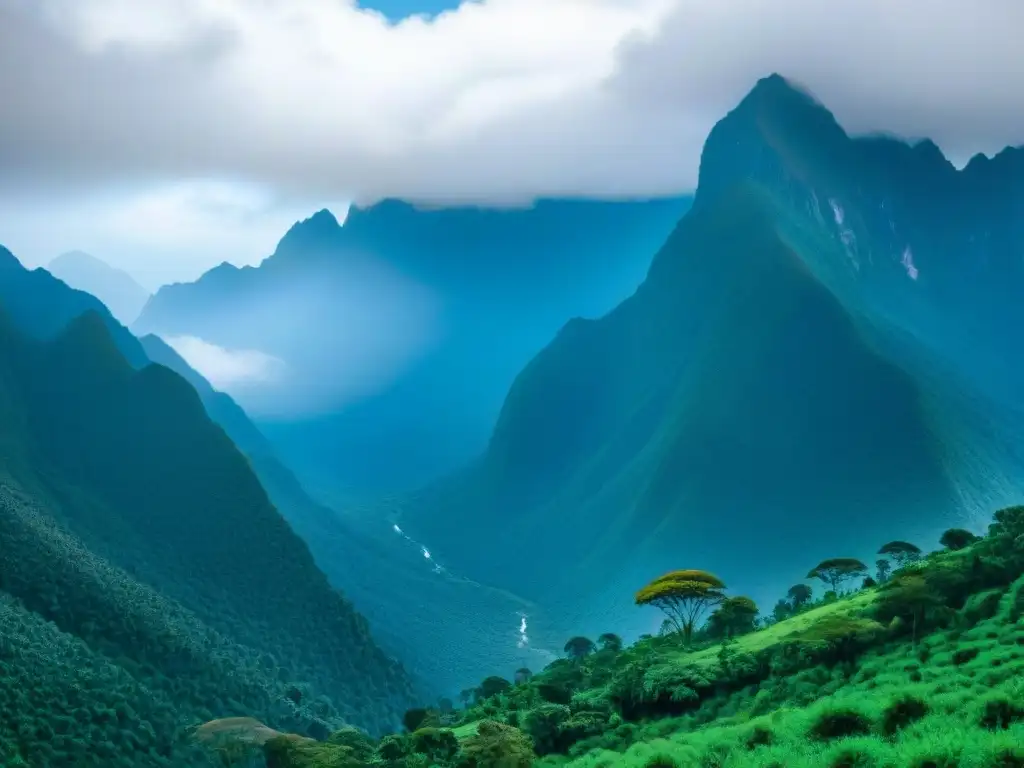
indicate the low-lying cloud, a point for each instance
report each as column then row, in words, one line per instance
column 120, row 113
column 227, row 369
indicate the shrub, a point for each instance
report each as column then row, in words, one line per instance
column 290, row 751
column 544, row 725
column 852, row 757
column 901, row 712
column 963, row 655
column 759, row 736
column 999, row 712
column 393, row 747
column 839, row 722
column 982, row 606
column 437, row 744
column 661, row 761
column 362, row 746
column 496, row 745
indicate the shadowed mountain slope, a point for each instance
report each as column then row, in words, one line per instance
column 388, row 324
column 133, row 523
column 442, row 626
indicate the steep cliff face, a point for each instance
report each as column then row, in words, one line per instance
column 817, row 358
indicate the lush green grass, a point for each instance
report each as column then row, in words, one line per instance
column 777, row 633
column 924, row 671
column 466, row 730
column 956, row 728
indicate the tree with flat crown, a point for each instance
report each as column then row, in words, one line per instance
column 957, row 538
column 903, row 552
column 837, row 571
column 683, row 596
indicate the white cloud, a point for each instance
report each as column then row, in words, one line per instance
column 170, row 232
column 317, row 101
column 226, row 369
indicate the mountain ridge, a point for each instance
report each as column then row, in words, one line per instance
column 129, row 466
column 632, row 436
column 116, row 288
column 448, row 281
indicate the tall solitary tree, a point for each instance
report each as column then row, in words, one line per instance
column 683, row 596
column 837, row 571
column 579, row 647
column 957, row 538
column 799, row 595
column 902, row 552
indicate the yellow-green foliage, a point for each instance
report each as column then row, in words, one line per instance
column 290, row 751
column 497, row 745
column 924, row 670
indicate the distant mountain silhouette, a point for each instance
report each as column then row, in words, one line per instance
column 408, row 375
column 114, row 287
column 130, row 520
column 42, row 305
column 822, row 354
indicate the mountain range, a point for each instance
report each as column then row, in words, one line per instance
column 820, row 356
column 400, row 331
column 118, row 290
column 143, row 567
column 415, row 608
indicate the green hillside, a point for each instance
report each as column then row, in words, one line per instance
column 136, row 538
column 921, row 670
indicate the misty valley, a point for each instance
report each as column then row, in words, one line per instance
column 723, row 480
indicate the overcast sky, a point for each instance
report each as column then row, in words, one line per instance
column 168, row 135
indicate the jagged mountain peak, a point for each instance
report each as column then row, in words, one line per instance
column 777, row 131
column 315, row 232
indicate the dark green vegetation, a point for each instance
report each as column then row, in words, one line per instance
column 386, row 578
column 495, row 285
column 818, row 354
column 147, row 583
column 925, row 670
